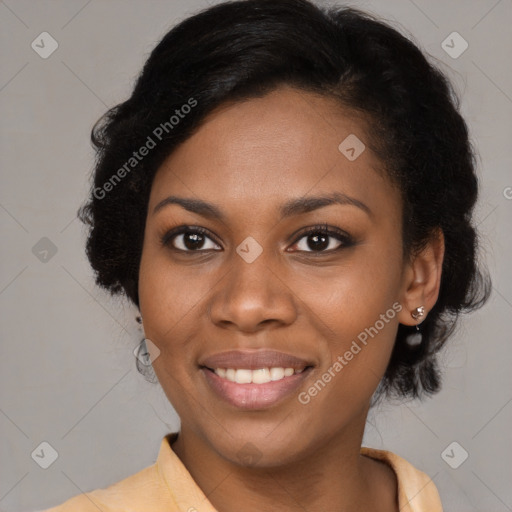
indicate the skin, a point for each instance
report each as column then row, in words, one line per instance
column 248, row 159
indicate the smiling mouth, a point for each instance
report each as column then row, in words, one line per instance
column 255, row 388
column 254, row 379
column 256, row 376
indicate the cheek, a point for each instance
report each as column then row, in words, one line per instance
column 358, row 306
column 352, row 295
column 355, row 357
column 169, row 296
column 167, row 301
column 164, row 306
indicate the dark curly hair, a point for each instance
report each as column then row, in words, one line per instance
column 243, row 49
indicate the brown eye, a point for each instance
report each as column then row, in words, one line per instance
column 318, row 242
column 188, row 239
column 322, row 239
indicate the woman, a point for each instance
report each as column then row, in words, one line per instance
column 286, row 198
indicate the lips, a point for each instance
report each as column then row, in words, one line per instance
column 254, row 360
column 250, row 393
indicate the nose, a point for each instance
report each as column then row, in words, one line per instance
column 252, row 296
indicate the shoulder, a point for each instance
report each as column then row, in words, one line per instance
column 416, row 490
column 140, row 492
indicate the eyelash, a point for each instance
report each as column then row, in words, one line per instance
column 320, row 229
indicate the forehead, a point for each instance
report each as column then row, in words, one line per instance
column 266, row 150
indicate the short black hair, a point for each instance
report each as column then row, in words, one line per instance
column 244, row 49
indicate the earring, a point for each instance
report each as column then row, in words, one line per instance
column 418, row 312
column 414, row 339
column 138, row 319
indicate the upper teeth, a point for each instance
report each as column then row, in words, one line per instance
column 259, row 376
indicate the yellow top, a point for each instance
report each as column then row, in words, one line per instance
column 167, row 486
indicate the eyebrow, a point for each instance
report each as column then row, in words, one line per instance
column 290, row 208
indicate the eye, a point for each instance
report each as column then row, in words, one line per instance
column 188, row 239
column 317, row 239
column 322, row 239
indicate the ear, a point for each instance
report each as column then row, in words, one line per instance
column 422, row 279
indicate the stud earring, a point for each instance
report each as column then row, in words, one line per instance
column 418, row 312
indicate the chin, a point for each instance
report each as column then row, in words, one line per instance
column 258, row 447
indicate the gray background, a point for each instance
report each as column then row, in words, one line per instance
column 67, row 371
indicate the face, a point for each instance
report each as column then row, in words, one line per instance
column 300, row 295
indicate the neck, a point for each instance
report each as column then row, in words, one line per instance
column 331, row 476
